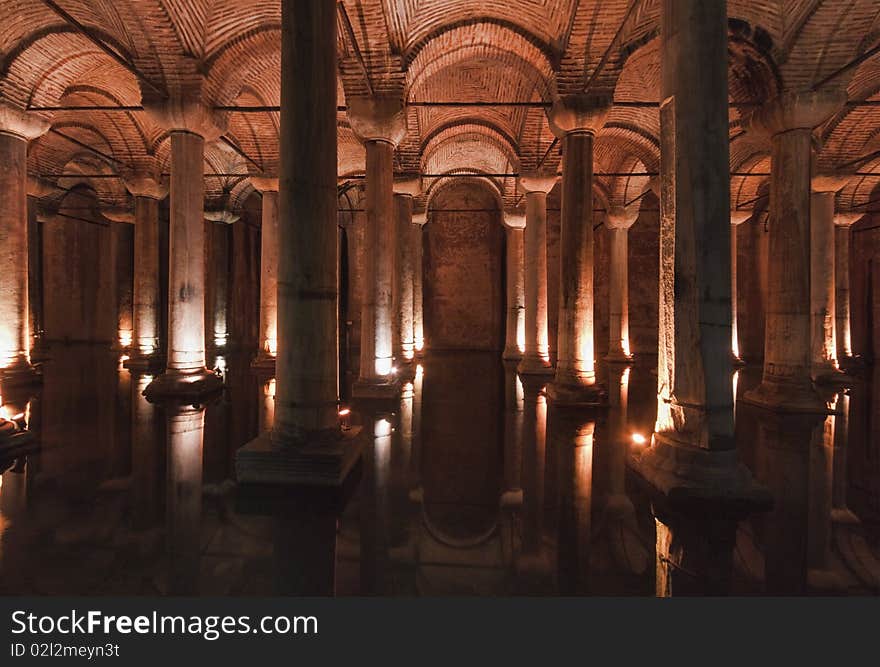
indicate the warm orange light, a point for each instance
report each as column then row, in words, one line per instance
column 638, row 439
column 344, row 412
column 125, row 337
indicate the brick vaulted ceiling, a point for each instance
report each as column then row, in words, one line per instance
column 68, row 53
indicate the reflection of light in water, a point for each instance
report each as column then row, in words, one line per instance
column 122, row 359
column 419, row 372
column 269, row 388
column 382, row 428
column 420, row 344
column 143, row 381
column 638, row 439
column 125, row 337
column 220, row 363
column 271, row 346
column 735, row 383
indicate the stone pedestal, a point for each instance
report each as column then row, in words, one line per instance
column 514, row 333
column 789, row 119
column 536, row 356
column 17, row 127
column 264, row 363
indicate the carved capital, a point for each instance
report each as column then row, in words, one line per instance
column 222, row 215
column 420, row 218
column 118, row 214
column 186, row 111
column 377, row 118
column 264, row 183
column 514, row 219
column 537, row 182
column 621, row 217
column 20, row 123
column 407, row 186
column 797, row 110
column 579, row 113
column 146, row 185
column 848, row 219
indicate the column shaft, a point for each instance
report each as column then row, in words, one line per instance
column 618, row 295
column 536, row 357
column 843, row 333
column 822, row 312
column 514, row 333
column 269, row 276
column 404, row 277
column 418, row 294
column 146, row 277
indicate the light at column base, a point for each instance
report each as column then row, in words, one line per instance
column 638, row 439
column 383, row 366
column 125, row 337
column 420, row 344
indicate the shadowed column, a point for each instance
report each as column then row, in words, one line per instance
column 618, row 220
column 514, row 333
column 269, row 249
column 843, row 223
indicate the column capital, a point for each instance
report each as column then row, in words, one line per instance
column 829, row 183
column 797, row 110
column 39, row 188
column 848, row 219
column 20, row 123
column 407, row 186
column 147, row 185
column 537, row 182
column 621, row 217
column 420, row 218
column 377, row 118
column 264, row 183
column 578, row 113
column 222, row 215
column 185, row 113
column 118, row 214
column 738, row 217
column 514, row 219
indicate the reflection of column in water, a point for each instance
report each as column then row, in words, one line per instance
column 840, row 511
column 573, row 441
column 513, row 424
column 533, row 443
column 305, row 549
column 611, row 451
column 401, row 455
column 415, row 475
column 819, row 500
column 374, row 500
column 120, row 463
column 146, row 456
column 267, row 405
column 185, row 426
column 783, row 453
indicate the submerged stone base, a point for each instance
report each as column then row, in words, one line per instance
column 376, row 390
column 20, row 375
column 144, row 363
column 565, row 395
column 782, row 398
column 187, row 388
column 322, row 463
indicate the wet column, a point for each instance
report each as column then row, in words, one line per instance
column 17, row 127
column 842, row 235
column 736, row 219
column 147, row 191
column 575, row 120
column 514, row 337
column 190, row 123
column 536, row 356
column 790, row 119
column 419, row 220
column 218, row 225
column 306, row 445
column 693, row 445
column 618, row 220
column 380, row 123
column 404, row 351
column 269, row 249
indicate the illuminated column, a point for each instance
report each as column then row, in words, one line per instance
column 618, row 220
column 147, row 191
column 122, row 270
column 17, row 127
column 842, row 234
column 790, row 119
column 693, row 449
column 217, row 323
column 514, row 342
column 404, row 191
column 575, row 120
column 380, row 123
column 419, row 220
column 823, row 345
column 269, row 250
column 306, row 444
column 190, row 123
column 536, row 355
column 736, row 219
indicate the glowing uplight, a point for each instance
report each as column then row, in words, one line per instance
column 638, row 439
column 382, row 428
column 271, row 346
column 420, row 344
column 125, row 337
column 220, row 364
column 383, row 366
column 269, row 388
column 624, row 344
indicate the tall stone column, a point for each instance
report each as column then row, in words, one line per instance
column 693, row 452
column 575, row 120
column 146, row 348
column 514, row 336
column 218, row 227
column 404, row 338
column 736, row 219
column 419, row 220
column 790, row 119
column 17, row 127
column 536, row 356
column 190, row 122
column 269, row 250
column 380, row 123
column 843, row 332
column 306, row 444
column 618, row 220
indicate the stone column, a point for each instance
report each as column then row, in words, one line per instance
column 306, row 444
column 380, row 123
column 790, row 119
column 536, row 356
column 736, row 219
column 218, row 265
column 147, row 191
column 843, row 332
column 575, row 120
column 514, row 337
column 693, row 449
column 190, row 122
column 419, row 220
column 404, row 339
column 823, row 345
column 618, row 220
column 269, row 250
column 17, row 127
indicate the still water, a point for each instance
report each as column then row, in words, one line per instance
column 471, row 484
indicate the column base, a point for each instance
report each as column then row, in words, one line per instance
column 511, row 354
column 561, row 394
column 263, row 365
column 735, row 361
column 144, row 363
column 376, row 389
column 785, row 398
column 831, row 376
column 20, row 373
column 324, row 462
column 534, row 365
column 619, row 357
column 193, row 387
column 700, row 481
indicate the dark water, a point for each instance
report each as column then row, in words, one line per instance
column 470, row 485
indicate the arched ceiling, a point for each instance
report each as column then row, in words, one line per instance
column 470, row 54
